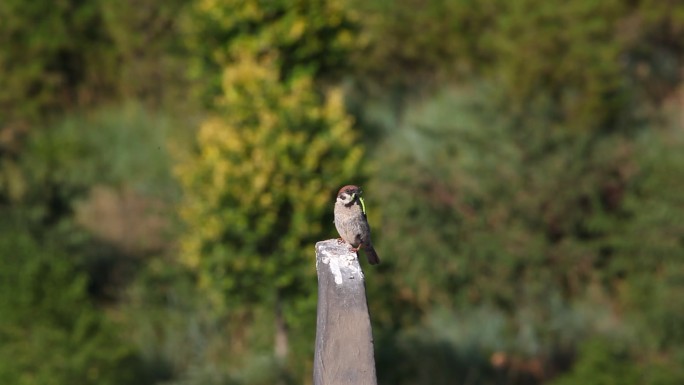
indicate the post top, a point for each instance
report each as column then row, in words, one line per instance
column 343, row 263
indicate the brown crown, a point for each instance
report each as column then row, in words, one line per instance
column 350, row 189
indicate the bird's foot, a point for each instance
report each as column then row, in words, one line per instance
column 340, row 241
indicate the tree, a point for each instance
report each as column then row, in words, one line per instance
column 259, row 190
column 556, row 233
column 50, row 331
column 260, row 186
column 307, row 35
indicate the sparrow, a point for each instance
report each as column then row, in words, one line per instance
column 351, row 223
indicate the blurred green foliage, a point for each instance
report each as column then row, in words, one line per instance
column 255, row 192
column 165, row 169
column 295, row 143
column 89, row 194
column 50, row 330
column 312, row 36
column 257, row 188
column 549, row 238
column 58, row 56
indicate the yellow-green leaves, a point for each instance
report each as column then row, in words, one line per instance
column 314, row 36
column 258, row 190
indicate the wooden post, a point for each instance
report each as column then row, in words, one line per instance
column 344, row 338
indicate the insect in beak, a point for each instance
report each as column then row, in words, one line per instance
column 363, row 205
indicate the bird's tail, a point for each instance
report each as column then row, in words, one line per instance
column 372, row 256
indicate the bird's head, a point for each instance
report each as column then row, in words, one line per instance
column 348, row 194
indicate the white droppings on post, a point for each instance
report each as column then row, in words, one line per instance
column 341, row 262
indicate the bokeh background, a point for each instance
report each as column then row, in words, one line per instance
column 167, row 166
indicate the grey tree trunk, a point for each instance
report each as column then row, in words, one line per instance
column 282, row 344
